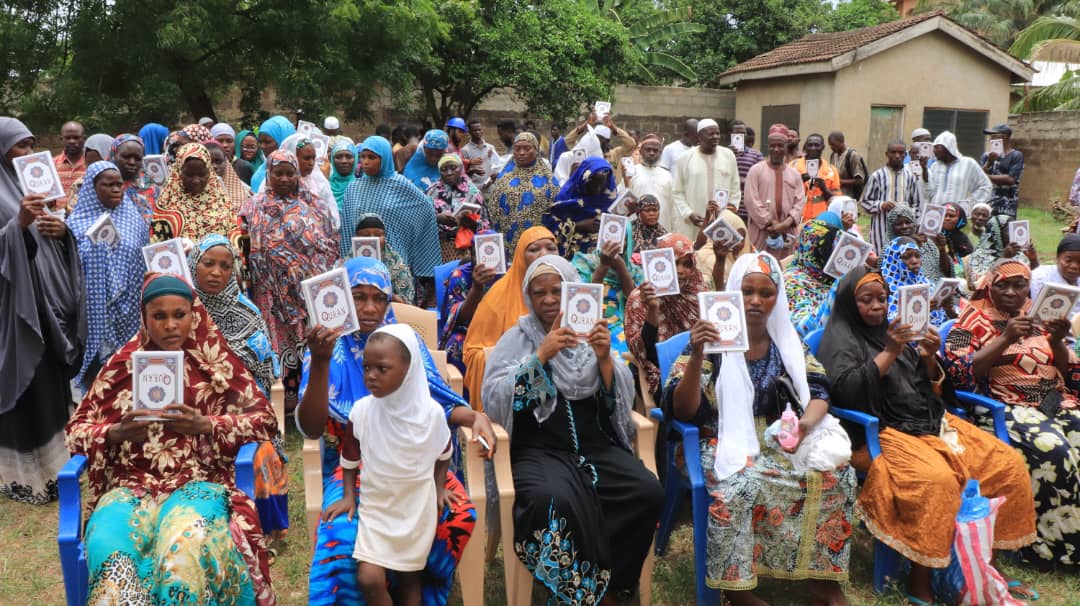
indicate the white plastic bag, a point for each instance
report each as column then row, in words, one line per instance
column 825, row 448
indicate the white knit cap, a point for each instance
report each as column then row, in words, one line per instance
column 706, row 123
column 602, row 131
column 222, row 129
column 920, row 132
column 331, row 123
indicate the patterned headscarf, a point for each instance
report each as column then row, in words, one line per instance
column 237, row 317
column 237, row 191
column 896, row 274
column 120, row 140
column 647, row 236
column 766, row 264
column 197, row 133
column 113, row 273
column 806, row 283
column 180, row 214
column 1002, row 270
column 575, row 203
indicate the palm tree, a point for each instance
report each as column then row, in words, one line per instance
column 652, row 33
column 1052, row 38
column 1000, row 21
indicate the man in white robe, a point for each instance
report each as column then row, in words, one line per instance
column 698, row 174
column 954, row 177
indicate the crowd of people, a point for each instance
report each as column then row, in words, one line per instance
column 261, row 210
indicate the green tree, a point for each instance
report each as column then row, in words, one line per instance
column 1054, row 38
column 652, row 31
column 859, row 13
column 33, row 34
column 130, row 61
column 555, row 55
column 1000, row 21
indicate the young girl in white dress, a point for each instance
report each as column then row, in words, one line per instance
column 400, row 436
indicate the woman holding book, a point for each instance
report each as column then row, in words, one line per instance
column 165, row 504
column 291, row 238
column 465, row 288
column 935, row 259
column 449, row 193
column 610, row 264
column 651, row 319
column 43, row 328
column 566, row 403
column 333, row 381
column 575, row 215
column 912, row 493
column 500, row 308
column 902, row 266
column 114, row 271
column 808, row 287
column 768, row 518
column 193, row 204
column 998, row 349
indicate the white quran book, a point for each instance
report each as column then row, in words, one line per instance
column 167, row 257
column 945, row 290
column 612, row 229
column 722, row 232
column 725, row 310
column 659, row 266
column 103, row 231
column 1055, row 301
column 932, row 220
column 329, row 301
column 914, row 303
column 156, row 169
column 157, row 380
column 1020, row 233
column 582, row 306
column 491, row 251
column 37, row 175
column 367, row 247
column 848, row 253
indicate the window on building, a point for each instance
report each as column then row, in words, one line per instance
column 788, row 115
column 967, row 125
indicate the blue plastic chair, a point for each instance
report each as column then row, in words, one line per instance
column 70, row 535
column 442, row 274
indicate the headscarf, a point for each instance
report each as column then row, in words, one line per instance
column 521, row 196
column 277, row 128
column 574, row 371
column 347, row 361
column 197, row 133
column 574, row 204
column 142, row 192
column 497, row 312
column 647, row 236
column 101, row 143
column 338, row 182
column 180, row 214
column 158, row 285
column 113, row 273
column 404, row 431
column 258, row 160
column 153, row 137
column 896, row 274
column 411, row 228
column 41, row 296
column 314, row 182
column 1002, row 270
column 237, row 191
column 807, row 284
column 931, row 256
column 959, row 244
column 902, row 399
column 237, row 317
column 417, row 170
column 677, row 312
column 737, row 441
column 222, row 128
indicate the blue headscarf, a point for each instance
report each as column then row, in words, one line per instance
column 897, row 274
column 258, row 160
column 573, row 203
column 153, row 136
column 831, row 219
column 338, row 182
column 346, row 363
column 277, row 128
column 113, row 273
column 382, row 148
column 417, row 170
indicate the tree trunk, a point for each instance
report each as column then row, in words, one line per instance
column 200, row 105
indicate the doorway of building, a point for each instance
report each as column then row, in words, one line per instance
column 886, row 124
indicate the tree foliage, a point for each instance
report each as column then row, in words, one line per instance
column 1000, row 21
column 653, row 31
column 1052, row 38
column 556, row 56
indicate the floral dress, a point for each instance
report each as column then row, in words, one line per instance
column 449, row 199
column 452, row 339
column 769, row 519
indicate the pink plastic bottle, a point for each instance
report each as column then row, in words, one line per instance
column 789, row 428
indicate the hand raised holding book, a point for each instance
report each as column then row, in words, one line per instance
column 1057, row 329
column 31, row 208
column 703, row 333
column 558, row 338
column 600, row 340
column 320, row 342
column 1018, row 328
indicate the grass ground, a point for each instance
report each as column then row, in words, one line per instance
column 30, row 567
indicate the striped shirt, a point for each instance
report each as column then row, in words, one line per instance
column 887, row 185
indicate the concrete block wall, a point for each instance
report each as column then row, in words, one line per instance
column 1051, row 145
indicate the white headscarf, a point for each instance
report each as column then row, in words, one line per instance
column 948, row 141
column 403, row 433
column 838, row 205
column 315, row 182
column 735, row 391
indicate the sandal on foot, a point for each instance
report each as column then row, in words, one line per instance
column 917, row 601
column 1022, row 591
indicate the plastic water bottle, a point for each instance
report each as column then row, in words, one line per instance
column 789, row 428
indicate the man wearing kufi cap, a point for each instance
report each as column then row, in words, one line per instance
column 615, row 142
column 774, row 198
column 331, row 126
column 651, row 178
column 698, row 174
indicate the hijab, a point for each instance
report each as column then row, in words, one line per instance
column 931, row 256
column 404, row 431
column 574, row 203
column 896, row 274
column 647, row 236
column 180, row 214
column 277, row 128
column 338, row 182
column 113, row 273
column 737, row 440
column 417, row 170
column 101, row 143
column 42, row 297
column 153, row 137
column 959, row 244
column 315, row 182
column 498, row 311
column 1002, row 270
column 574, row 371
column 257, row 161
column 237, row 317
